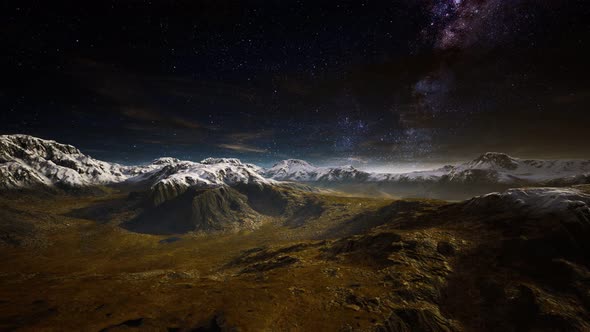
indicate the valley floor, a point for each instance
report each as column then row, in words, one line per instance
column 347, row 264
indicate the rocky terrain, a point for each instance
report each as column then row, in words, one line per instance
column 221, row 245
column 510, row 261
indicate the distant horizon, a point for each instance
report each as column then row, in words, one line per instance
column 398, row 167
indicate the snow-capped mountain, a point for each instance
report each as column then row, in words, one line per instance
column 302, row 171
column 27, row 161
column 490, row 167
column 505, row 169
column 176, row 177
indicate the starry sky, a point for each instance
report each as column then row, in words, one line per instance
column 381, row 85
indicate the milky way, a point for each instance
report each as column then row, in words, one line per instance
column 459, row 24
column 456, row 26
column 383, row 81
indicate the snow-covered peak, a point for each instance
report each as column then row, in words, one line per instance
column 291, row 166
column 494, row 160
column 165, row 161
column 191, row 173
column 489, row 168
column 13, row 145
column 292, row 163
column 300, row 170
column 292, row 169
column 213, row 161
column 506, row 169
column 173, row 180
column 27, row 161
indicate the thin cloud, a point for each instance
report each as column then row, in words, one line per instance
column 131, row 96
column 242, row 148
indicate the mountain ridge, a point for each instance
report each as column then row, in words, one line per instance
column 488, row 167
column 27, row 162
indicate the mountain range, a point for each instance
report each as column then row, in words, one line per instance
column 29, row 162
column 178, row 245
column 490, row 167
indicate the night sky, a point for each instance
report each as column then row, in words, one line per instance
column 376, row 84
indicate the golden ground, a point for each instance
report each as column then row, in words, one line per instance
column 84, row 275
column 356, row 264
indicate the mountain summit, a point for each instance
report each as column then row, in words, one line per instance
column 494, row 160
column 300, row 170
column 27, row 162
